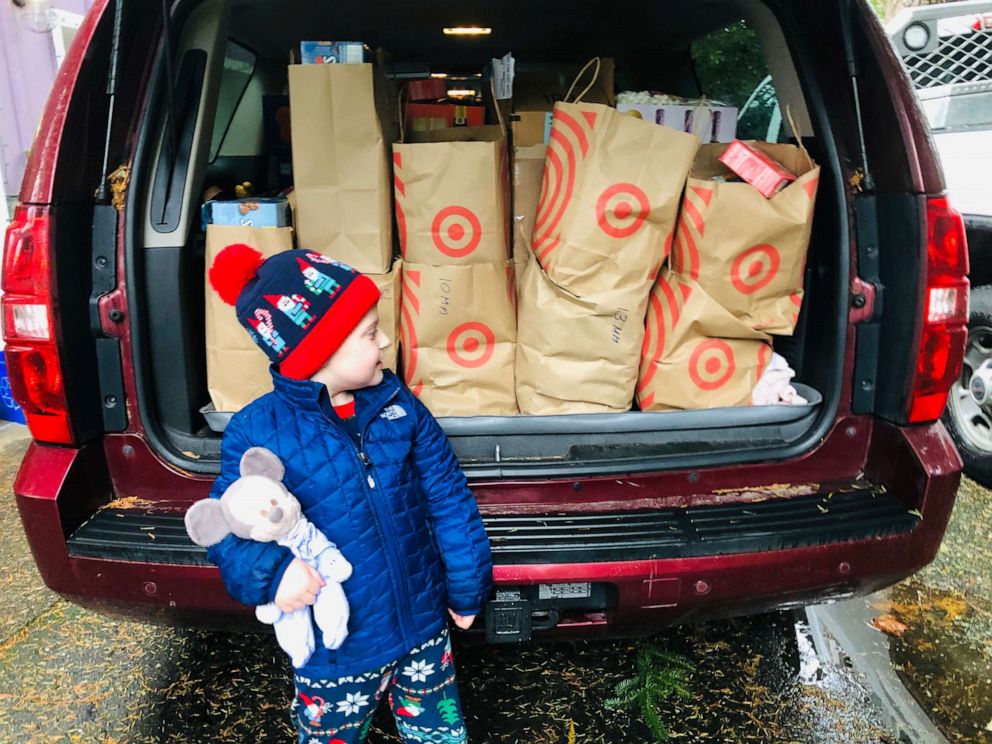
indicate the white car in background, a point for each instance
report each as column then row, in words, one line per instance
column 947, row 50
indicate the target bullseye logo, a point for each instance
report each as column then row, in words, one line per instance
column 456, row 231
column 712, row 364
column 755, row 268
column 621, row 210
column 471, row 344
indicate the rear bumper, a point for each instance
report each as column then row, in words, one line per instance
column 656, row 584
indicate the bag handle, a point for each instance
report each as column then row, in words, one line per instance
column 402, row 113
column 595, row 77
column 795, row 133
column 499, row 112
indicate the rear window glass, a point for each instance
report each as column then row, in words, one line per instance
column 239, row 66
column 731, row 68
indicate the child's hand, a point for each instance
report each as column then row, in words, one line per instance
column 299, row 586
column 462, row 621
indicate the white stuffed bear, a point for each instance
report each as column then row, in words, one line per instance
column 258, row 507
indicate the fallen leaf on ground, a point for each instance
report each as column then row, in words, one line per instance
column 889, row 625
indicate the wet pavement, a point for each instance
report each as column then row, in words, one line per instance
column 70, row 675
column 940, row 623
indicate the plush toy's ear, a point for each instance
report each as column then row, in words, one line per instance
column 260, row 461
column 206, row 523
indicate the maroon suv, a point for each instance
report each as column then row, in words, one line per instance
column 600, row 523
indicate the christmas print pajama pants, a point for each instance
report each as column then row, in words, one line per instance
column 420, row 687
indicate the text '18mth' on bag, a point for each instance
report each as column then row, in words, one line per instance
column 603, row 228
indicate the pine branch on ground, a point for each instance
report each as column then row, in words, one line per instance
column 660, row 675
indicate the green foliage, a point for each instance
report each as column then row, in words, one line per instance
column 660, row 675
column 729, row 63
column 448, row 710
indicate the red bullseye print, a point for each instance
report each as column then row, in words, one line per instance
column 621, row 210
column 456, row 231
column 755, row 268
column 712, row 364
column 471, row 344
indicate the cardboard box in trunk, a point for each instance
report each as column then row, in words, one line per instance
column 744, row 250
column 237, row 370
column 709, row 123
column 340, row 165
column 540, row 88
column 458, row 335
column 531, row 128
column 451, row 196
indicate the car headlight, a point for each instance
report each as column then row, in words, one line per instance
column 916, row 36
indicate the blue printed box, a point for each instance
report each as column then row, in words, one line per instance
column 9, row 410
column 250, row 212
column 332, row 52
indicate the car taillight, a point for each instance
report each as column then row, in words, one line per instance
column 33, row 364
column 945, row 312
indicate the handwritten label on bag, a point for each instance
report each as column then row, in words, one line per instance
column 620, row 316
column 445, row 295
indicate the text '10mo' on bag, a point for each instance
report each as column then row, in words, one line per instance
column 458, row 329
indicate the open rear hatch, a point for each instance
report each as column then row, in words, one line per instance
column 230, row 54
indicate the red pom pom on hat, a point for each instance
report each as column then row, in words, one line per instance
column 232, row 269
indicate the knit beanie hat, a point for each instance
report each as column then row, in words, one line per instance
column 298, row 306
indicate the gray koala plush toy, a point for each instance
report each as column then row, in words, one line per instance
column 257, row 506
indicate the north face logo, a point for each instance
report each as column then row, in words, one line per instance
column 392, row 413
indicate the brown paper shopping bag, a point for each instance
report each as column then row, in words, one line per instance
column 609, row 198
column 696, row 354
column 237, row 370
column 575, row 354
column 451, row 189
column 340, row 167
column 389, row 310
column 528, row 170
column 458, row 335
column 746, row 251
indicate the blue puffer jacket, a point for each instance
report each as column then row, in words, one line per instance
column 405, row 518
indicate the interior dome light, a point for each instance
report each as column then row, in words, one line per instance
column 467, row 31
